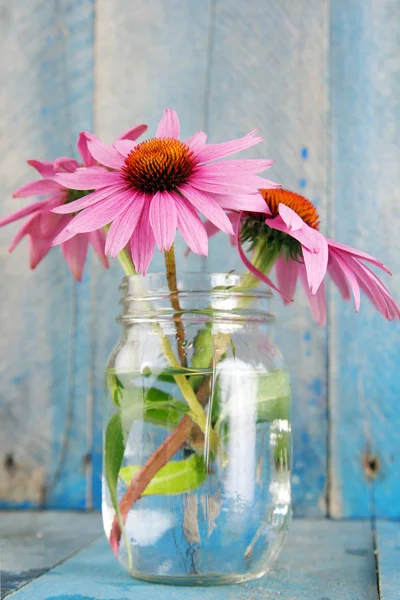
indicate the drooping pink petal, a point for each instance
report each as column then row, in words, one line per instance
column 98, row 240
column 143, row 242
column 248, row 203
column 253, row 270
column 169, row 125
column 215, row 151
column 49, row 223
column 133, row 133
column 106, row 155
column 37, row 188
column 316, row 301
column 191, row 227
column 358, row 254
column 88, row 178
column 347, row 270
column 196, row 141
column 82, row 145
column 88, row 200
column 286, row 276
column 75, row 252
column 291, row 219
column 38, row 248
column 163, row 219
column 339, row 279
column 123, row 226
column 64, row 164
column 44, row 167
column 124, row 147
column 22, row 232
column 375, row 290
column 23, row 212
column 208, row 207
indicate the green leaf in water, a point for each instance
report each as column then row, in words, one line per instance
column 177, row 477
column 273, row 397
column 113, row 454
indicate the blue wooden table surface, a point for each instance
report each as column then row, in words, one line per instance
column 52, row 556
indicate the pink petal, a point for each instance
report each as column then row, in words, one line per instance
column 98, row 241
column 221, row 185
column 358, row 253
column 88, row 178
column 191, row 227
column 101, row 213
column 286, row 276
column 314, row 247
column 64, row 164
column 317, row 301
column 82, row 145
column 37, row 188
column 232, row 168
column 198, row 140
column 215, row 151
column 169, row 125
column 208, row 207
column 163, row 219
column 133, row 133
column 88, row 200
column 251, row 267
column 249, row 203
column 106, row 155
column 373, row 287
column 143, row 242
column 38, row 248
column 22, row 232
column 291, row 219
column 338, row 277
column 23, row 212
column 75, row 252
column 124, row 147
column 347, row 270
column 123, row 227
column 45, row 168
column 49, row 224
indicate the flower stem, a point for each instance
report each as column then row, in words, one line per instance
column 126, row 263
column 141, row 480
column 170, row 268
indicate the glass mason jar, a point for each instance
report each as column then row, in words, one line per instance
column 197, row 432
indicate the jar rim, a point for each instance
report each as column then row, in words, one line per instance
column 192, row 281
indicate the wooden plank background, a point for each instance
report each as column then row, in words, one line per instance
column 321, row 80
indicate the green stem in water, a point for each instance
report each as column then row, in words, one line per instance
column 170, row 269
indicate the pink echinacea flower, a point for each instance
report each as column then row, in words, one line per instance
column 43, row 225
column 159, row 186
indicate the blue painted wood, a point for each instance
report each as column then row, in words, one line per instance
column 47, row 83
column 33, row 542
column 146, row 59
column 388, row 556
column 266, row 57
column 364, row 351
column 321, row 560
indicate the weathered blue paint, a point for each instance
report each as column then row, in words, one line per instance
column 321, row 559
column 388, row 559
column 364, row 351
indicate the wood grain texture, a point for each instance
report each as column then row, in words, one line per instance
column 364, row 351
column 33, row 542
column 268, row 69
column 388, row 555
column 321, row 560
column 45, row 99
column 148, row 57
